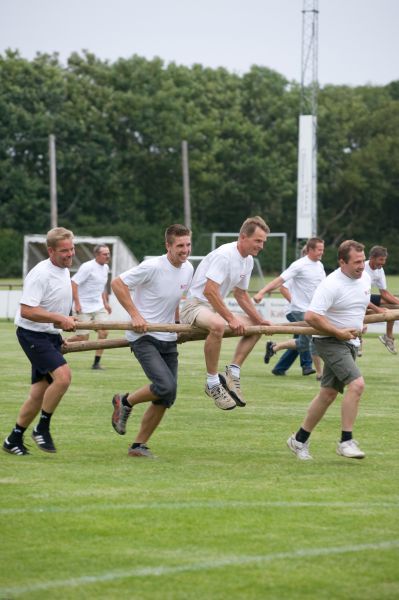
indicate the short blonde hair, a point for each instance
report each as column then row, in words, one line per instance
column 250, row 224
column 57, row 234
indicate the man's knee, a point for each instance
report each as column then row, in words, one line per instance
column 62, row 376
column 357, row 386
column 165, row 390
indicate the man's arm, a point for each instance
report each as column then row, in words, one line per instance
column 245, row 302
column 122, row 293
column 75, row 296
column 325, row 326
column 106, row 303
column 388, row 298
column 273, row 285
column 40, row 315
column 212, row 294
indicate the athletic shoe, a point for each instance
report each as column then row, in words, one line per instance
column 270, row 351
column 220, row 396
column 232, row 385
column 44, row 441
column 388, row 342
column 308, row 371
column 97, row 367
column 140, row 451
column 279, row 373
column 16, row 448
column 319, row 377
column 350, row 449
column 299, row 448
column 120, row 415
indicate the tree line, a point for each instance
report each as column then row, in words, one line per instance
column 119, row 128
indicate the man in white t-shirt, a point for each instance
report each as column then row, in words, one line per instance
column 90, row 296
column 337, row 308
column 151, row 293
column 227, row 268
column 375, row 268
column 44, row 311
column 304, row 275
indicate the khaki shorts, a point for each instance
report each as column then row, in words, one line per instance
column 339, row 358
column 191, row 309
column 97, row 315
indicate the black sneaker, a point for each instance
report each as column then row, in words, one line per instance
column 97, row 367
column 44, row 441
column 16, row 448
column 308, row 371
column 270, row 351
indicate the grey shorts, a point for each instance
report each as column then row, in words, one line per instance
column 159, row 362
column 339, row 358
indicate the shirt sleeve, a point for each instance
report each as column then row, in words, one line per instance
column 82, row 274
column 34, row 289
column 322, row 299
column 138, row 275
column 218, row 269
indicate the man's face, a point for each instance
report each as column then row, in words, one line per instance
column 62, row 255
column 317, row 252
column 251, row 245
column 103, row 256
column 179, row 250
column 355, row 265
column 377, row 262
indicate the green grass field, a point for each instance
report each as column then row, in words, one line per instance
column 224, row 512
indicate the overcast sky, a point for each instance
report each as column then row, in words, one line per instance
column 358, row 39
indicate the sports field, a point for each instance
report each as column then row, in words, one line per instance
column 224, row 512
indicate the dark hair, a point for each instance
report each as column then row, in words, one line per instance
column 250, row 224
column 377, row 251
column 312, row 243
column 98, row 247
column 345, row 248
column 175, row 231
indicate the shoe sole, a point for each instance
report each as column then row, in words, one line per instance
column 356, row 457
column 114, row 425
column 49, row 450
column 268, row 355
column 222, row 407
column 231, row 393
column 14, row 453
column 387, row 347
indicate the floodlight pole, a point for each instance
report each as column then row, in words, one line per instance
column 53, row 182
column 186, row 184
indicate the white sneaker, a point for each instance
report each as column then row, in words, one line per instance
column 350, row 449
column 221, row 398
column 388, row 342
column 301, row 449
column 232, row 385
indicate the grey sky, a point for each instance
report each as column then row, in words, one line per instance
column 358, row 39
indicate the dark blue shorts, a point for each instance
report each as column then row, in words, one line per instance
column 43, row 351
column 159, row 362
column 376, row 299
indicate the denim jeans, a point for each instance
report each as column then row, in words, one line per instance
column 290, row 356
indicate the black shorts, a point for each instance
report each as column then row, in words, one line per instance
column 375, row 299
column 43, row 351
column 159, row 362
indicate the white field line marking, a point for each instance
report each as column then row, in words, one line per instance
column 228, row 561
column 217, row 504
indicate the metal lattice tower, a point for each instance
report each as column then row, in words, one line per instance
column 307, row 144
column 309, row 63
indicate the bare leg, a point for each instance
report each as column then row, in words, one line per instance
column 390, row 325
column 318, row 407
column 143, row 394
column 55, row 391
column 151, row 419
column 286, row 345
column 78, row 338
column 318, row 364
column 101, row 335
column 32, row 404
column 244, row 347
column 213, row 343
column 350, row 403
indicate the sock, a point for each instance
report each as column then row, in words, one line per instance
column 125, row 401
column 346, row 436
column 16, row 434
column 97, row 360
column 212, row 380
column 302, row 435
column 44, row 422
column 235, row 370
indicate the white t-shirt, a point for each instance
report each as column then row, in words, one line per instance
column 224, row 266
column 304, row 276
column 91, row 279
column 343, row 301
column 156, row 288
column 48, row 287
column 377, row 276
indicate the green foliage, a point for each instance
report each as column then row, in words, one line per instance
column 11, row 246
column 119, row 128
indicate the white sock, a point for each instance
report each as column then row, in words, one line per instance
column 212, row 380
column 235, row 370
